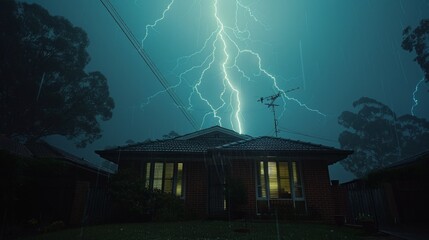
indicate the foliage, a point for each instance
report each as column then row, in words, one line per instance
column 25, row 186
column 418, row 40
column 129, row 191
column 133, row 197
column 44, row 89
column 166, row 207
column 378, row 137
column 170, row 135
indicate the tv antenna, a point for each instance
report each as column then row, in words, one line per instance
column 271, row 104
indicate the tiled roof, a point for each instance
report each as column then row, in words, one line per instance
column 217, row 139
column 274, row 144
column 209, row 130
column 173, row 145
column 197, row 142
column 14, row 147
column 201, row 146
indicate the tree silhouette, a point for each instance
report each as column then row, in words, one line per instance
column 44, row 89
column 378, row 137
column 171, row 134
column 418, row 40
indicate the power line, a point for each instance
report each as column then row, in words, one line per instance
column 307, row 135
column 153, row 68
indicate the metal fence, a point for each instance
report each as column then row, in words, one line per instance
column 365, row 202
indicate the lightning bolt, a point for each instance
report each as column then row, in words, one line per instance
column 153, row 25
column 416, row 102
column 220, row 53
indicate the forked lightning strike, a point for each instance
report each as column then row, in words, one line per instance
column 224, row 46
column 152, row 26
column 416, row 102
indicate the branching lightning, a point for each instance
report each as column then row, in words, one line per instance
column 153, row 25
column 222, row 49
column 416, row 102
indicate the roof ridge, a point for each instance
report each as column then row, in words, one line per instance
column 209, row 130
column 238, row 142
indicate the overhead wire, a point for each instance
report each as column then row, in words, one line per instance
column 306, row 135
column 153, row 68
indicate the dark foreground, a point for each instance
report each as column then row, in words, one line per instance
column 211, row 230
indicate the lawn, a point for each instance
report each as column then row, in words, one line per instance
column 205, row 230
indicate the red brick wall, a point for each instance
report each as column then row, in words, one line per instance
column 196, row 193
column 317, row 189
column 244, row 171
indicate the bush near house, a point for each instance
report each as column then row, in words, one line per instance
column 134, row 202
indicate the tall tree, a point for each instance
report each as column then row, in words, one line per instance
column 44, row 88
column 418, row 40
column 378, row 137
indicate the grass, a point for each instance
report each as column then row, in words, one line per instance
column 213, row 230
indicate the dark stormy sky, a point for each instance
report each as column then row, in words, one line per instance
column 335, row 51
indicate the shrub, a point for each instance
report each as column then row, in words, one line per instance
column 134, row 202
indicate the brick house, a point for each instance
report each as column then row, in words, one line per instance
column 47, row 184
column 200, row 167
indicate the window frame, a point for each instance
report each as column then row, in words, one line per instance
column 174, row 180
column 259, row 184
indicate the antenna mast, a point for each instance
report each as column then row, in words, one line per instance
column 273, row 106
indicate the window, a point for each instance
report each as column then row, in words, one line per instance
column 283, row 179
column 167, row 177
column 262, row 189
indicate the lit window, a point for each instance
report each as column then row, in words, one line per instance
column 279, row 176
column 167, row 177
column 284, row 180
column 262, row 189
column 179, row 180
column 157, row 176
column 272, row 179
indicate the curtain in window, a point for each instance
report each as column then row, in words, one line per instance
column 167, row 177
column 279, row 176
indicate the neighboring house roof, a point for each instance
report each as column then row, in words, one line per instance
column 44, row 150
column 423, row 156
column 14, row 147
column 221, row 140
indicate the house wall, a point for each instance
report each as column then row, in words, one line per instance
column 317, row 189
column 319, row 198
column 243, row 170
column 196, row 186
column 196, row 194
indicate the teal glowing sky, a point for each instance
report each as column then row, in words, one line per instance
column 335, row 51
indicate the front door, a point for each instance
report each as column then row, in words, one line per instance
column 216, row 190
